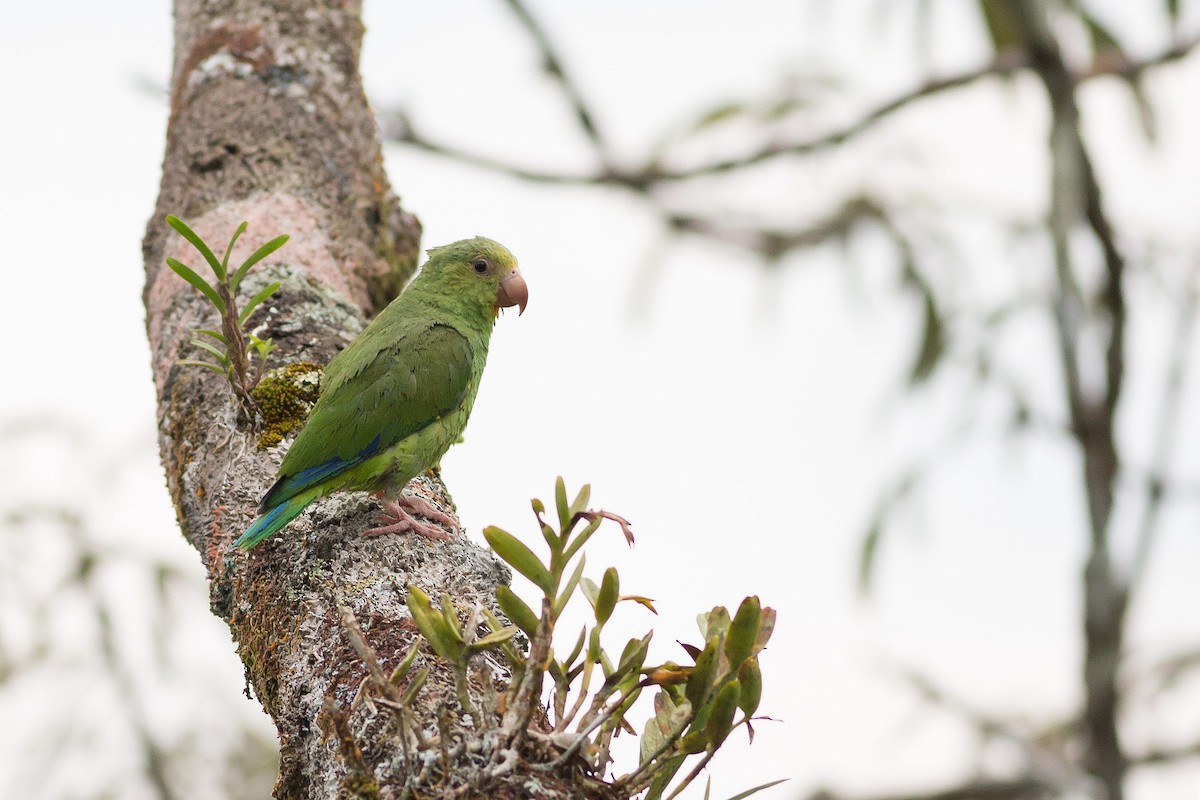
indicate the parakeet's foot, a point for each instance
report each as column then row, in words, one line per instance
column 397, row 517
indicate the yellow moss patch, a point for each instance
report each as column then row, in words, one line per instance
column 286, row 396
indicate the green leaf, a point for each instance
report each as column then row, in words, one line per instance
column 743, row 631
column 189, row 362
column 867, row 553
column 515, row 659
column 590, row 590
column 714, row 623
column 221, row 356
column 595, row 653
column 653, row 735
column 606, row 665
column 582, row 538
column 695, row 742
column 633, row 656
column 1145, row 109
column 644, row 602
column 933, row 331
column 201, row 285
column 183, row 230
column 765, row 629
column 700, row 682
column 255, row 257
column 1002, row 24
column 664, row 776
column 494, row 639
column 220, row 337
column 719, row 114
column 228, row 250
column 564, row 596
column 720, row 719
column 757, row 789
column 414, row 686
column 581, row 500
column 405, row 664
column 520, row 558
column 560, row 501
column 444, row 641
column 666, row 713
column 516, row 610
column 553, row 540
column 451, row 618
column 263, row 294
column 869, row 549
column 263, row 347
column 606, row 599
column 577, row 649
column 750, row 677
column 1101, row 35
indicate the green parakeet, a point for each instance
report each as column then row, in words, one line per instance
column 394, row 401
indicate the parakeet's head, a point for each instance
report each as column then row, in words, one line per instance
column 479, row 272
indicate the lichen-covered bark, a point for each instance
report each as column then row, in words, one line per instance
column 269, row 124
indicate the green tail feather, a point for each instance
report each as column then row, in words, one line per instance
column 273, row 521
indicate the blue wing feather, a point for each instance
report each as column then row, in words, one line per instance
column 289, row 486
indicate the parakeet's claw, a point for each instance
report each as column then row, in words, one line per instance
column 418, row 505
column 397, row 517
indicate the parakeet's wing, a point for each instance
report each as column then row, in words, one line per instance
column 373, row 399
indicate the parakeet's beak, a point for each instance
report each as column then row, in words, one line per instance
column 513, row 292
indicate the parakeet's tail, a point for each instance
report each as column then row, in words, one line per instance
column 273, row 521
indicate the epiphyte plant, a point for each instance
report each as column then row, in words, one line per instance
column 233, row 345
column 567, row 727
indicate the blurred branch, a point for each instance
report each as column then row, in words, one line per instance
column 1164, row 436
column 1005, row 64
column 773, row 243
column 1168, row 672
column 554, row 67
column 399, row 129
column 88, row 561
column 1116, row 64
column 1075, row 193
column 1166, row 755
column 1045, row 767
column 979, row 789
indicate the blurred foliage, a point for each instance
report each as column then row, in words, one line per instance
column 1071, row 271
column 92, row 625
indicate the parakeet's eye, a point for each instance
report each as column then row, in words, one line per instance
column 481, row 266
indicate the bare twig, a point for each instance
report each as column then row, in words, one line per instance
column 980, row 789
column 156, row 760
column 1044, row 766
column 775, row 243
column 1005, row 65
column 554, row 67
column 1164, row 435
column 1165, row 755
column 1075, row 193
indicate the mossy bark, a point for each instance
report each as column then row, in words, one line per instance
column 269, row 124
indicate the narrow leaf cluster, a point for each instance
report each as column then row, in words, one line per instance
column 233, row 345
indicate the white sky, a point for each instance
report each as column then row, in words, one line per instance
column 745, row 422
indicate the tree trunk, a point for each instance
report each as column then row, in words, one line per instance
column 269, row 124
